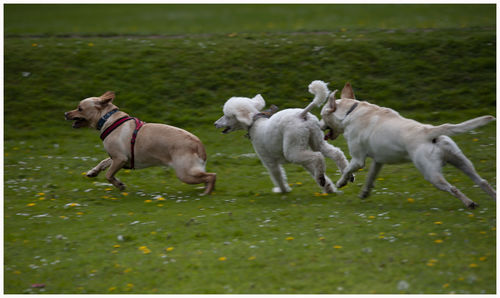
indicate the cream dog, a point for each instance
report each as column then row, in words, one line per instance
column 387, row 137
column 133, row 144
column 291, row 135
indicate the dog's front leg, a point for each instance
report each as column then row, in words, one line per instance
column 278, row 176
column 375, row 168
column 116, row 165
column 353, row 166
column 104, row 164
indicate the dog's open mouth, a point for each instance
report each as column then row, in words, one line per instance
column 329, row 134
column 226, row 130
column 79, row 122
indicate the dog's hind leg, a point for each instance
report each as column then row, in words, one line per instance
column 104, row 164
column 429, row 160
column 439, row 182
column 454, row 156
column 375, row 168
column 191, row 170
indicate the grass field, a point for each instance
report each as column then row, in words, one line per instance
column 177, row 64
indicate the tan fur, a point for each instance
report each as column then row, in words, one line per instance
column 156, row 144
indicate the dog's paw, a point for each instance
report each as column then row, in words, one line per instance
column 121, row 186
column 341, row 183
column 278, row 190
column 472, row 205
column 92, row 174
column 364, row 194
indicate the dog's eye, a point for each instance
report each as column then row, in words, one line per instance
column 80, row 109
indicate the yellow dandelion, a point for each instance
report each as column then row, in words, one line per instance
column 321, row 238
column 112, row 289
column 147, row 201
column 129, row 285
column 108, row 188
column 446, row 285
column 116, row 245
column 380, row 179
column 371, row 217
column 161, row 199
column 381, row 236
column 90, row 44
column 84, row 173
column 337, row 246
column 79, row 213
column 17, row 272
column 40, row 194
column 471, row 215
column 298, row 183
column 41, row 198
column 127, row 270
column 169, row 248
column 438, row 222
column 31, row 204
column 34, row 45
column 317, row 194
column 252, row 258
column 432, row 234
column 482, row 259
column 475, row 140
column 411, row 200
column 159, row 205
column 222, row 258
column 438, row 241
column 289, row 238
column 144, row 249
column 482, row 232
column 473, row 265
column 63, row 217
column 124, row 193
column 430, row 264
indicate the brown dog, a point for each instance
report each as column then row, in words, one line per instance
column 133, row 144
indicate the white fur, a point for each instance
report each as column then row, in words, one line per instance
column 386, row 137
column 289, row 136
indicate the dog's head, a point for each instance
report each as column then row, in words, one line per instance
column 90, row 110
column 239, row 112
column 334, row 111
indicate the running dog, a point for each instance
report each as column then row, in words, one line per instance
column 291, row 135
column 131, row 143
column 387, row 137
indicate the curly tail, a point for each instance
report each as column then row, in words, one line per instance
column 320, row 91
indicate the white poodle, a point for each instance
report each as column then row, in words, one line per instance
column 291, row 135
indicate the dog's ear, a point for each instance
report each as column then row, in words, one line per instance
column 243, row 116
column 259, row 101
column 106, row 98
column 347, row 92
column 332, row 103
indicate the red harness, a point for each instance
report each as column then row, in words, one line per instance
column 116, row 124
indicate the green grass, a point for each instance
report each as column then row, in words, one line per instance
column 79, row 235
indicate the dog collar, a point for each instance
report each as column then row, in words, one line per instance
column 265, row 114
column 351, row 109
column 105, row 118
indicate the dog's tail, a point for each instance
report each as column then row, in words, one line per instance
column 453, row 129
column 320, row 91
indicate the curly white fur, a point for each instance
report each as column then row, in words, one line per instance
column 286, row 137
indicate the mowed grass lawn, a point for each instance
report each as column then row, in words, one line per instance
column 66, row 233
